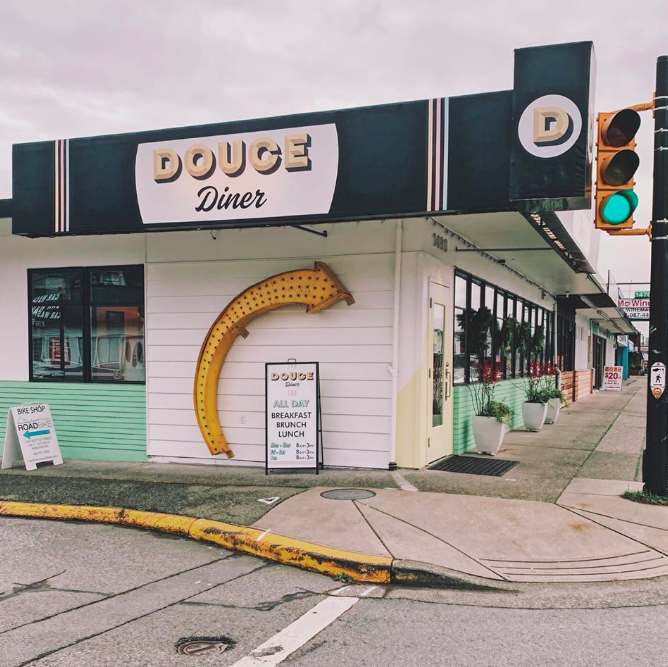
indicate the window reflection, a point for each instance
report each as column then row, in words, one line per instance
column 57, row 325
column 459, row 355
column 472, row 294
column 117, row 343
column 438, row 335
column 88, row 324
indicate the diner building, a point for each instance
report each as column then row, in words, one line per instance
column 416, row 221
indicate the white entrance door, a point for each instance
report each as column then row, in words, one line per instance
column 439, row 395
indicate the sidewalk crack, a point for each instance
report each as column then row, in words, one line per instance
column 373, row 530
column 452, row 546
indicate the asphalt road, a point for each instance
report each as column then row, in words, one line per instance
column 80, row 595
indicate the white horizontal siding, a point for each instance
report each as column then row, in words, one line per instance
column 242, row 352
column 281, row 319
column 240, row 387
column 274, row 337
column 353, row 345
column 224, row 286
column 379, row 299
column 240, row 370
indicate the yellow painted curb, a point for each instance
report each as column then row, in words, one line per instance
column 286, row 550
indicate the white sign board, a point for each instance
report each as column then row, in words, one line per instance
column 30, row 435
column 265, row 174
column 635, row 309
column 612, row 378
column 292, row 415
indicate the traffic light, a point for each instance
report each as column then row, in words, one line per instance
column 616, row 163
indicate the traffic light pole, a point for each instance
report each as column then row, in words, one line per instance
column 655, row 458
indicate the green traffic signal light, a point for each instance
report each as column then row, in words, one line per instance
column 619, row 207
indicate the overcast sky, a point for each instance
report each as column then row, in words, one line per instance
column 74, row 68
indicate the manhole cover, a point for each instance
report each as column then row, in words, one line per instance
column 347, row 494
column 203, row 645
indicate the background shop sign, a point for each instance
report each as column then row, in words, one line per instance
column 612, row 378
column 635, row 309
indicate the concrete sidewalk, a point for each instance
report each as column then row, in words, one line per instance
column 590, row 534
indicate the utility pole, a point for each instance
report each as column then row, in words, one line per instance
column 655, row 458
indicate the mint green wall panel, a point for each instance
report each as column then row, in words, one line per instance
column 508, row 391
column 94, row 422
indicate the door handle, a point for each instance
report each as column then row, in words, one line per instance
column 446, row 380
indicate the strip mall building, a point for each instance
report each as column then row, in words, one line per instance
column 118, row 254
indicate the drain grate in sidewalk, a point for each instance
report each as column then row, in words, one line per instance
column 474, row 466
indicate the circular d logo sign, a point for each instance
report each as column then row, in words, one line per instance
column 549, row 126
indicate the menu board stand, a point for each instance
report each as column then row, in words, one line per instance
column 293, row 418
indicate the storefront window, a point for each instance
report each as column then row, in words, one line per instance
column 87, row 324
column 565, row 343
column 510, row 359
column 473, row 294
column 474, row 306
column 488, row 292
column 499, row 361
column 117, row 324
column 57, row 324
column 526, row 320
column 459, row 355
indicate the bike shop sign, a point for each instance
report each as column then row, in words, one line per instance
column 31, row 435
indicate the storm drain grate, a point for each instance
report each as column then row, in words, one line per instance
column 347, row 494
column 474, row 466
column 203, row 645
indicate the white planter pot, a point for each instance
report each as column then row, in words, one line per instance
column 488, row 434
column 533, row 415
column 553, row 407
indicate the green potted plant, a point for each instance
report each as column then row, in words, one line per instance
column 491, row 417
column 555, row 396
column 534, row 408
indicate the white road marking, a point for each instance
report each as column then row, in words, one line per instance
column 403, row 483
column 282, row 644
column 262, row 535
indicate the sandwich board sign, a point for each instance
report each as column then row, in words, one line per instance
column 292, row 415
column 612, row 378
column 31, row 436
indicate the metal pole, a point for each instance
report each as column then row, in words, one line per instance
column 655, row 458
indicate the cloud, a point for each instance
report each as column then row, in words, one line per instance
column 72, row 68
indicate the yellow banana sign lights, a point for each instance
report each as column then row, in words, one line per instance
column 316, row 288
